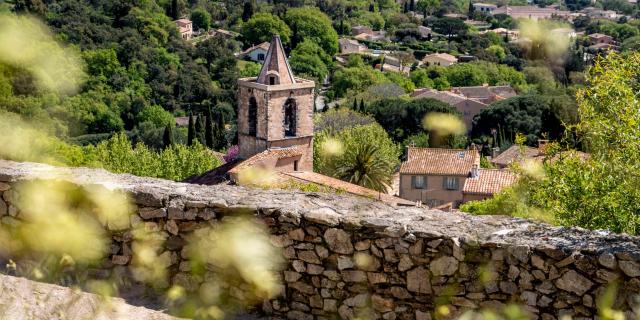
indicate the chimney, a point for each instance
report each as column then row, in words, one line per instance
column 475, row 171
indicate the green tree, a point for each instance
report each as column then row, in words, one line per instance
column 401, row 80
column 420, row 78
column 201, row 19
column 200, row 130
column 339, row 119
column 247, row 10
column 428, row 7
column 221, row 134
column 262, row 26
column 356, row 79
column 191, row 131
column 209, row 131
column 308, row 58
column 168, row 139
column 311, row 23
column 156, row 115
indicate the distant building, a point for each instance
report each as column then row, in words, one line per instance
column 468, row 107
column 565, row 32
column 439, row 59
column 224, row 33
column 372, row 36
column 437, row 177
column 485, row 93
column 487, row 183
column 185, row 27
column 275, row 132
column 511, row 34
column 256, row 53
column 425, row 32
column 514, row 154
column 391, row 63
column 597, row 13
column 356, row 30
column 348, row 46
column 532, row 12
column 484, row 7
column 596, row 38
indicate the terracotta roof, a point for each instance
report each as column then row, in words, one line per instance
column 264, row 46
column 182, row 22
column 443, row 56
column 439, row 161
column 489, row 181
column 487, row 93
column 275, row 153
column 443, row 96
column 215, row 176
column 337, row 184
column 514, row 153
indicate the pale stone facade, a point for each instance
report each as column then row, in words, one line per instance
column 275, row 110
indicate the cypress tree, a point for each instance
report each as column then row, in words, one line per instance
column 355, row 104
column 200, row 130
column 471, row 9
column 372, row 8
column 247, row 11
column 362, row 108
column 412, row 6
column 167, row 137
column 221, row 132
column 175, row 11
column 208, row 130
column 406, row 7
column 191, row 131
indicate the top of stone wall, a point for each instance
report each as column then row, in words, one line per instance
column 350, row 212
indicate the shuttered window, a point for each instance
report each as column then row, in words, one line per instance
column 451, row 183
column 419, row 182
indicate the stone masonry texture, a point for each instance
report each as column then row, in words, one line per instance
column 348, row 256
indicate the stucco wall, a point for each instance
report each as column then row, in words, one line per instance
column 434, row 190
column 348, row 256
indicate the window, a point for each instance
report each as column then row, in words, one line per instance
column 450, row 183
column 272, row 80
column 260, row 56
column 419, row 182
column 290, row 118
column 295, row 165
column 252, row 116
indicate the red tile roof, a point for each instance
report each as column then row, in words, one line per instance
column 337, row 184
column 275, row 153
column 515, row 153
column 489, row 181
column 439, row 161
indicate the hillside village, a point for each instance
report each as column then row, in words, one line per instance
column 321, row 159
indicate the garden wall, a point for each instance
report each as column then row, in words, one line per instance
column 347, row 256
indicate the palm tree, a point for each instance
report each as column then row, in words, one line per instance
column 363, row 166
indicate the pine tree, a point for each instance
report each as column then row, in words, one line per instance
column 208, row 130
column 191, row 131
column 167, row 137
column 362, row 108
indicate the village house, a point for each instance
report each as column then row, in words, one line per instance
column 438, row 177
column 349, row 46
column 256, row 53
column 356, row 30
column 484, row 7
column 514, row 154
column 425, row 32
column 224, row 33
column 439, row 59
column 185, row 27
column 391, row 63
column 485, row 93
column 596, row 38
column 275, row 132
column 532, row 12
column 512, row 35
column 468, row 107
column 597, row 13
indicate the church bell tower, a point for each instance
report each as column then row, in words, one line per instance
column 275, row 109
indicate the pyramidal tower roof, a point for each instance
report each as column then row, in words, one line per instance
column 276, row 69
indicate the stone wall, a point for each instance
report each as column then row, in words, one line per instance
column 347, row 256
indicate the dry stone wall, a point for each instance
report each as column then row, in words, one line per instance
column 349, row 256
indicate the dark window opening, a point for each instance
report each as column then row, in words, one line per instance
column 252, row 116
column 272, row 80
column 290, row 118
column 260, row 56
column 295, row 165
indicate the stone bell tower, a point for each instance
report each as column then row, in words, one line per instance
column 275, row 110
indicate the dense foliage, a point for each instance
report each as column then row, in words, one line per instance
column 598, row 191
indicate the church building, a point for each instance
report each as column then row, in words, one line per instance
column 275, row 131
